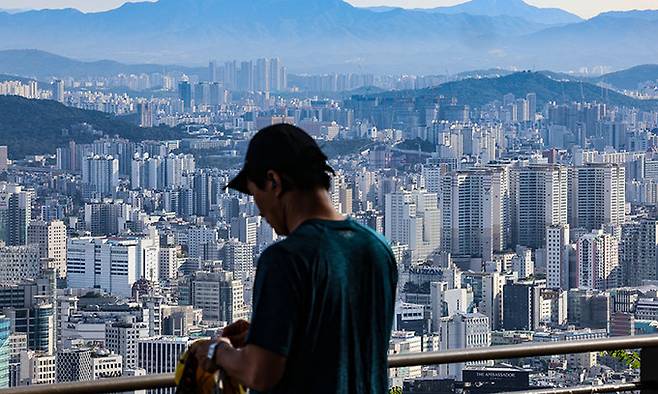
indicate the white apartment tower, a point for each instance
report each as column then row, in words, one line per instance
column 412, row 218
column 475, row 209
column 101, row 173
column 539, row 199
column 598, row 195
column 557, row 257
column 51, row 238
column 598, row 261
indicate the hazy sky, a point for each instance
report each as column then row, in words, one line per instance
column 585, row 8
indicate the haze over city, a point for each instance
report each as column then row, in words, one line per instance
column 478, row 174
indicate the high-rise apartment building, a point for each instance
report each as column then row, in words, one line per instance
column 15, row 213
column 262, row 75
column 58, row 90
column 597, row 257
column 51, row 238
column 597, row 195
column 638, row 252
column 539, row 199
column 557, row 257
column 185, row 95
column 475, row 209
column 217, row 294
column 100, row 174
column 412, row 218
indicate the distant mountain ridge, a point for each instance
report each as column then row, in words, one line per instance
column 478, row 92
column 632, row 77
column 44, row 65
column 514, row 8
column 332, row 35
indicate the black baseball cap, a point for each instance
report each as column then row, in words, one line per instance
column 284, row 148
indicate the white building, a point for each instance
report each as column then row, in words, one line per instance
column 104, row 365
column 51, row 238
column 557, row 257
column 491, row 304
column 404, row 342
column 197, row 238
column 160, row 354
column 67, row 305
column 101, row 174
column 475, row 209
column 169, row 262
column 219, row 295
column 122, row 337
column 112, row 264
column 539, row 199
column 597, row 256
column 37, row 368
column 598, row 195
column 412, row 218
column 463, row 331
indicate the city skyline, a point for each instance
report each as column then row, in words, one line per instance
column 581, row 8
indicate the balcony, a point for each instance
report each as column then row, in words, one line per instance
column 648, row 383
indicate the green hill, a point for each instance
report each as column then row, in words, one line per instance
column 478, row 92
column 40, row 126
column 631, row 78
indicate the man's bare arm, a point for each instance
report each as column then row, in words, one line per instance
column 252, row 366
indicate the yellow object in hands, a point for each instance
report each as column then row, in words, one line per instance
column 193, row 378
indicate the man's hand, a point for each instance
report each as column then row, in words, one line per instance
column 237, row 333
column 200, row 351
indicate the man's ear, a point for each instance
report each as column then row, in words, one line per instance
column 274, row 181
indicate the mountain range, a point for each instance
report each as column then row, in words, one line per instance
column 514, row 8
column 30, row 64
column 332, row 35
column 478, row 92
column 43, row 65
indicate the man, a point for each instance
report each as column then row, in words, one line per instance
column 323, row 301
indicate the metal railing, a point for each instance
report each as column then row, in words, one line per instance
column 648, row 383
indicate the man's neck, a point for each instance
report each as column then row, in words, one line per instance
column 307, row 205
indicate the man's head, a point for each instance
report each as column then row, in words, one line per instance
column 281, row 159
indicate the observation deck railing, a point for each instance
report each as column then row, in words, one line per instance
column 647, row 344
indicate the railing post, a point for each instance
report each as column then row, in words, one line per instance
column 648, row 372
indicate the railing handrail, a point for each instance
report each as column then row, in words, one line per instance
column 147, row 382
column 524, row 350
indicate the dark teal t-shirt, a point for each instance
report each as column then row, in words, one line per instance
column 324, row 298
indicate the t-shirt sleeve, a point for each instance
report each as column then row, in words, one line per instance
column 275, row 302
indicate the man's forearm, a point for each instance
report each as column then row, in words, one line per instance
column 251, row 365
column 234, row 362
